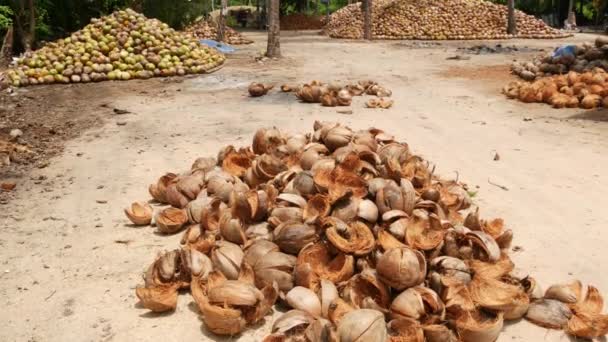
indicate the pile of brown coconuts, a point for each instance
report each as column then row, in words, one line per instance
column 436, row 20
column 354, row 233
column 586, row 90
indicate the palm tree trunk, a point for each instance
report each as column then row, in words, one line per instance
column 511, row 26
column 273, row 48
column 222, row 22
column 7, row 48
column 367, row 19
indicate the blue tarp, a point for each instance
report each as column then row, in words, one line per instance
column 221, row 47
column 566, row 50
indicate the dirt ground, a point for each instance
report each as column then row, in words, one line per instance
column 70, row 261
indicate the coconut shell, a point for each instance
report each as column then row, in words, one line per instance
column 158, row 298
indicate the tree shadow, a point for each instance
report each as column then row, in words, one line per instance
column 592, row 115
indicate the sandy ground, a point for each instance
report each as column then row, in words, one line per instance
column 69, row 262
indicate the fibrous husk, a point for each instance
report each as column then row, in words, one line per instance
column 227, row 258
column 211, row 214
column 567, row 293
column 158, row 191
column 302, row 298
column 424, row 233
column 139, row 213
column 171, row 220
column 402, row 267
column 204, row 164
column 231, row 229
column 486, row 246
column 394, row 197
column 310, row 93
column 291, row 237
column 366, row 285
column 158, row 298
column 549, row 313
column 496, row 295
column 355, row 238
column 479, row 326
column 236, row 162
column 228, row 306
column 317, row 207
column 321, row 330
column 259, row 89
column 316, row 262
column 282, row 215
column 439, row 333
column 275, row 267
column 405, row 330
column 493, row 270
column 266, row 140
column 380, row 102
column 195, row 238
column 329, row 100
column 290, row 324
column 256, row 249
column 452, row 267
column 362, row 325
column 416, row 303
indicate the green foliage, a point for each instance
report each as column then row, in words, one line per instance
column 589, row 11
column 6, row 15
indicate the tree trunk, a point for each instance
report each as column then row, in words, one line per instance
column 26, row 29
column 138, row 5
column 221, row 25
column 6, row 51
column 274, row 30
column 570, row 12
column 511, row 27
column 367, row 19
column 31, row 37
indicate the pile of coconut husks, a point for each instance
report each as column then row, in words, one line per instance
column 331, row 94
column 586, row 90
column 580, row 58
column 436, row 20
column 352, row 231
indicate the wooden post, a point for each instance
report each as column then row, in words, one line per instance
column 273, row 48
column 222, row 21
column 367, row 19
column 511, row 26
column 6, row 51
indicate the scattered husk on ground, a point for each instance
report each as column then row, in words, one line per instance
column 357, row 235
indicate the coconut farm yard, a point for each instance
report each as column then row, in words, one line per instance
column 399, row 170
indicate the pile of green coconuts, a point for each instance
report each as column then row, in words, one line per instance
column 122, row 46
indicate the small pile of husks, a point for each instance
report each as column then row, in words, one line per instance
column 436, row 20
column 335, row 94
column 586, row 90
column 585, row 57
column 122, row 46
column 207, row 29
column 300, row 21
column 352, row 231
